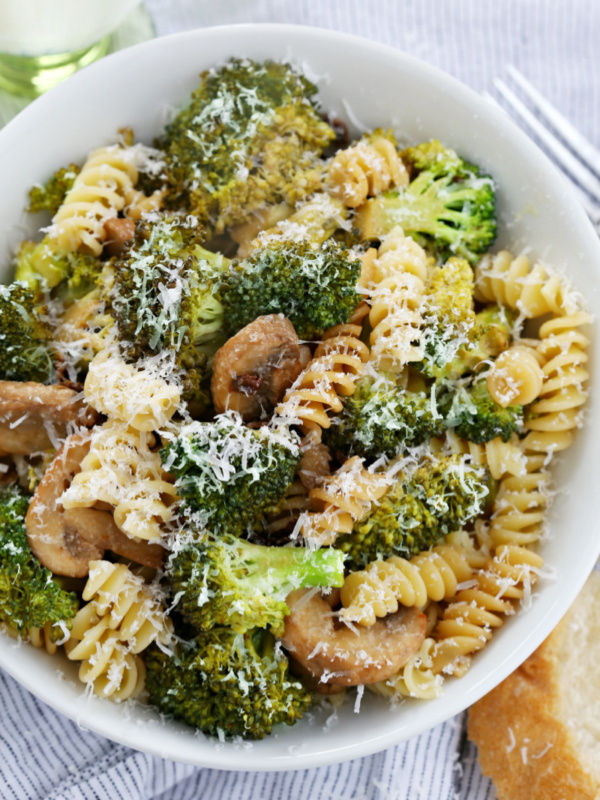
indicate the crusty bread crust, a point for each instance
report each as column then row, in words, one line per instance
column 525, row 746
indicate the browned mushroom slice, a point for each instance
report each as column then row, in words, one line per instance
column 66, row 541
column 253, row 369
column 118, row 232
column 337, row 654
column 32, row 415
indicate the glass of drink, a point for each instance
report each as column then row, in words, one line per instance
column 42, row 42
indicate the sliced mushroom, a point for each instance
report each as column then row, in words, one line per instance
column 253, row 369
column 337, row 654
column 66, row 541
column 315, row 462
column 33, row 416
column 118, row 232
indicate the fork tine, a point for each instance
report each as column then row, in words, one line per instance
column 592, row 209
column 565, row 158
column 576, row 140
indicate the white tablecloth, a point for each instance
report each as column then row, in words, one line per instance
column 555, row 44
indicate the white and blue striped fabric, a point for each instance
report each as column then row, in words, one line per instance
column 555, row 44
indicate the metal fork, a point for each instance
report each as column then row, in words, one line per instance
column 577, row 157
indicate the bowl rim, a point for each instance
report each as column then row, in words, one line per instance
column 132, row 735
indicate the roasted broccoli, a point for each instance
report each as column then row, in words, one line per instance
column 448, row 206
column 381, row 418
column 51, row 195
column 231, row 475
column 228, row 581
column 251, row 136
column 449, row 318
column 315, row 289
column 24, row 336
column 438, row 498
column 227, row 684
column 162, row 296
column 43, row 266
column 29, row 597
column 476, row 416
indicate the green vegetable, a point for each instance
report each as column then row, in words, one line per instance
column 231, row 475
column 448, row 206
column 475, row 416
column 51, row 195
column 227, row 684
column 163, row 297
column 438, row 498
column 381, row 418
column 250, row 137
column 29, row 597
column 315, row 289
column 43, row 266
column 24, row 336
column 449, row 318
column 228, row 581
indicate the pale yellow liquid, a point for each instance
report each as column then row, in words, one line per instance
column 31, row 76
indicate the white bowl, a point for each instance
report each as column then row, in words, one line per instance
column 371, row 85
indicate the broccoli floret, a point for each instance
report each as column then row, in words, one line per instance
column 448, row 206
column 225, row 683
column 229, row 581
column 489, row 336
column 163, row 297
column 250, row 137
column 29, row 597
column 438, row 498
column 229, row 474
column 381, row 418
column 43, row 266
column 449, row 317
column 315, row 289
column 476, row 416
column 24, row 336
column 51, row 195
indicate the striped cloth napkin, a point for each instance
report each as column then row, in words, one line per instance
column 44, row 755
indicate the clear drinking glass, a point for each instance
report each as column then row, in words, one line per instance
column 42, row 42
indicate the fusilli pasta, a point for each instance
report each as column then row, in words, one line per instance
column 468, row 622
column 99, row 192
column 552, row 419
column 415, row 679
column 132, row 396
column 340, row 501
column 336, row 366
column 501, row 458
column 365, row 169
column 379, row 589
column 120, row 620
column 396, row 282
column 121, row 470
column 515, row 377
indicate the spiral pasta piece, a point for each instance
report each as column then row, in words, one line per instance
column 337, row 365
column 383, row 586
column 415, row 679
column 513, row 282
column 501, row 458
column 468, row 622
column 515, row 377
column 98, row 194
column 120, row 620
column 132, row 396
column 519, row 511
column 396, row 283
column 365, row 169
column 342, row 500
column 552, row 419
column 121, row 470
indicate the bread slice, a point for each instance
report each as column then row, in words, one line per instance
column 538, row 732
